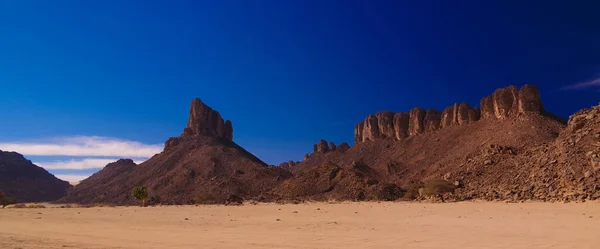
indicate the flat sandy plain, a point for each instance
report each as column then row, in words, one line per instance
column 314, row 225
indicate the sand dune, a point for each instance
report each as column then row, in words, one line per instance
column 315, row 225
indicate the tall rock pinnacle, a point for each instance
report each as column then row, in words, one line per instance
column 203, row 120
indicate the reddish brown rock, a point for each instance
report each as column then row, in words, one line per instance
column 343, row 147
column 462, row 115
column 487, row 107
column 505, row 102
column 332, row 146
column 385, row 122
column 203, row 120
column 447, row 117
column 432, row 120
column 22, row 180
column 358, row 132
column 455, row 114
column 529, row 100
column 172, row 142
column 415, row 126
column 321, row 147
column 401, row 123
column 371, row 130
column 474, row 114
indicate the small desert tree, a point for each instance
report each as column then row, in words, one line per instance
column 5, row 201
column 141, row 194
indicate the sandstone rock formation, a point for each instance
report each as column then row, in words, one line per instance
column 202, row 165
column 415, row 125
column 321, row 147
column 507, row 102
column 503, row 103
column 203, row 120
column 343, row 147
column 401, row 122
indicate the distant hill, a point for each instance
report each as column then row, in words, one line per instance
column 26, row 182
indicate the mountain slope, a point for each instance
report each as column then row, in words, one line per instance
column 203, row 163
column 485, row 151
column 26, row 182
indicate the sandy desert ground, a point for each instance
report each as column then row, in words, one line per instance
column 315, row 225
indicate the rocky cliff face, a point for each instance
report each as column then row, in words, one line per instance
column 503, row 103
column 204, row 121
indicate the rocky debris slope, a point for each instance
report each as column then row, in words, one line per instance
column 491, row 157
column 503, row 103
column 322, row 148
column 565, row 169
column 26, row 182
column 202, row 165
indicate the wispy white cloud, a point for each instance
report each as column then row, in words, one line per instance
column 584, row 85
column 84, row 146
column 71, row 178
column 78, row 164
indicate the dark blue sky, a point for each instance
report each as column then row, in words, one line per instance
column 287, row 73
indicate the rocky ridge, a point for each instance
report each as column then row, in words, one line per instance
column 503, row 103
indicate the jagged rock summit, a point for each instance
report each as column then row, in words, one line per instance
column 26, row 182
column 203, row 120
column 503, row 103
column 202, row 165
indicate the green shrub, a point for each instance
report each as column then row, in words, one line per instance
column 203, row 197
column 141, row 194
column 36, row 206
column 413, row 191
column 7, row 201
column 436, row 187
column 20, row 205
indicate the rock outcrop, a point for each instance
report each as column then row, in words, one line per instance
column 503, row 103
column 205, row 121
column 321, row 147
column 507, row 102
